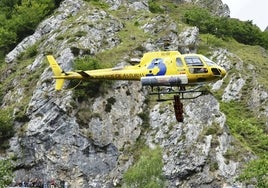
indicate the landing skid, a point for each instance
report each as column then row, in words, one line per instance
column 179, row 95
column 182, row 92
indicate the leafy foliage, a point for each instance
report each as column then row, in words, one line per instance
column 154, row 7
column 6, row 126
column 110, row 102
column 19, row 18
column 242, row 31
column 86, row 63
column 89, row 88
column 147, row 172
column 5, row 173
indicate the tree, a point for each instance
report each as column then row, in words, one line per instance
column 19, row 18
column 7, row 7
column 200, row 18
column 35, row 10
column 242, row 31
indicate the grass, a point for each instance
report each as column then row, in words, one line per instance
column 19, row 83
column 147, row 171
column 246, row 127
column 256, row 172
column 98, row 3
column 6, row 168
column 250, row 133
column 129, row 43
column 245, row 124
column 250, row 55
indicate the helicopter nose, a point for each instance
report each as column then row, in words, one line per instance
column 223, row 72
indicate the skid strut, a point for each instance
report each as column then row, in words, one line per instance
column 178, row 96
column 178, row 108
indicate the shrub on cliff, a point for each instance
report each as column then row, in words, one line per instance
column 6, row 127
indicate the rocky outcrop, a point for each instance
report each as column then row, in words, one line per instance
column 189, row 40
column 215, row 6
column 196, row 151
column 56, row 142
column 233, row 90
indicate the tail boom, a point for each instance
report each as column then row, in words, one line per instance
column 59, row 74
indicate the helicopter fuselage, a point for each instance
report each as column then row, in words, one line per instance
column 164, row 68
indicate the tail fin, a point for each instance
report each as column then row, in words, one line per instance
column 57, row 72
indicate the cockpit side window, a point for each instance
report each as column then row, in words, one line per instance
column 196, row 66
column 193, row 61
column 179, row 62
column 208, row 61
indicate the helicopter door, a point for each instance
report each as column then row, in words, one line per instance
column 179, row 62
column 196, row 66
column 180, row 66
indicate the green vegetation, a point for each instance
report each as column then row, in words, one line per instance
column 98, row 3
column 131, row 37
column 154, row 6
column 5, row 173
column 246, row 126
column 110, row 102
column 88, row 88
column 249, row 130
column 145, row 119
column 257, row 169
column 147, row 171
column 242, row 31
column 214, row 129
column 216, row 32
column 250, row 55
column 19, row 18
column 6, row 127
column 87, row 63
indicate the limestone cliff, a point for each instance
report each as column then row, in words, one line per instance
column 91, row 142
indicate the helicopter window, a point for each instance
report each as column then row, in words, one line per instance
column 198, row 70
column 208, row 61
column 179, row 62
column 193, row 61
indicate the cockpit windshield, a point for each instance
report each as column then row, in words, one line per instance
column 208, row 61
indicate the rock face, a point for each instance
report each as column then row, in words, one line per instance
column 187, row 149
column 215, row 6
column 85, row 143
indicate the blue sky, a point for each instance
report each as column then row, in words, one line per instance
column 255, row 10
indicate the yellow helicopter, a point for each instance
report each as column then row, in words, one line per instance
column 155, row 69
